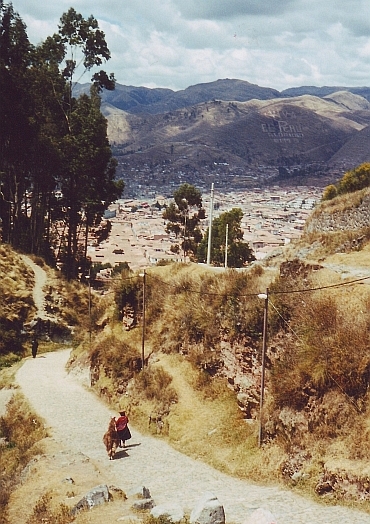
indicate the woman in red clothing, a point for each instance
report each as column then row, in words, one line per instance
column 122, row 428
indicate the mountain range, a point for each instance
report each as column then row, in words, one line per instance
column 240, row 125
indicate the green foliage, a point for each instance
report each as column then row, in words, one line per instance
column 356, row 179
column 183, row 220
column 163, row 519
column 98, row 266
column 330, row 192
column 154, row 383
column 115, row 357
column 353, row 180
column 10, row 337
column 330, row 349
column 50, row 140
column 121, row 268
column 239, row 253
column 128, row 293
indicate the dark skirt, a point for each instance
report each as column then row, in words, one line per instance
column 124, row 434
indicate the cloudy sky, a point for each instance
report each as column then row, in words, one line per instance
column 178, row 43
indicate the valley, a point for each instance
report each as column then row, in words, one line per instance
column 273, row 217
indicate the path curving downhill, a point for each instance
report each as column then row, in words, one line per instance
column 72, row 413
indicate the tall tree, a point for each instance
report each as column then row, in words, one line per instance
column 239, row 253
column 184, row 216
column 87, row 181
column 88, row 185
column 17, row 130
column 48, row 139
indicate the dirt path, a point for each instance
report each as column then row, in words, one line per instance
column 73, row 413
column 38, row 290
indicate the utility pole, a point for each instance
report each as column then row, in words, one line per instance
column 264, row 296
column 226, row 243
column 143, row 333
column 185, row 211
column 88, row 277
column 210, row 226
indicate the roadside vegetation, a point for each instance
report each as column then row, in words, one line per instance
column 66, row 301
column 316, row 393
column 20, row 433
column 200, row 386
column 352, row 181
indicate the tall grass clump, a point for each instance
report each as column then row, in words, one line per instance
column 45, row 511
column 323, row 358
column 20, row 430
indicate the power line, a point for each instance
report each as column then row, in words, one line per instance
column 303, row 290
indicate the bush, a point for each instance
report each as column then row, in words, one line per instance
column 154, row 383
column 44, row 512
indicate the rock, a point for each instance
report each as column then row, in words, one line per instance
column 142, row 504
column 208, row 510
column 141, row 492
column 116, row 493
column 69, row 480
column 171, row 511
column 95, row 497
column 261, row 516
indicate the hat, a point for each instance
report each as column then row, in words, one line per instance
column 122, row 413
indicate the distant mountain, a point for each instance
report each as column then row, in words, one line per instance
column 155, row 101
column 240, row 126
column 245, row 137
column 325, row 90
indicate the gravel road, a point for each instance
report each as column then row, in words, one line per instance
column 72, row 412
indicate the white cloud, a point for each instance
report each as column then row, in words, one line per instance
column 177, row 43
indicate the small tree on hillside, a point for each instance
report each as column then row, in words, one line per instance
column 352, row 180
column 239, row 253
column 183, row 216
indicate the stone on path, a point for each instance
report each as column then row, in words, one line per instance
column 208, row 510
column 95, row 497
column 261, row 516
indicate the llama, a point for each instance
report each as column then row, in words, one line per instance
column 110, row 439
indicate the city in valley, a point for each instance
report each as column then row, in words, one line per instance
column 273, row 217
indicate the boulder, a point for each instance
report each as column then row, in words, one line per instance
column 143, row 504
column 95, row 497
column 208, row 510
column 141, row 492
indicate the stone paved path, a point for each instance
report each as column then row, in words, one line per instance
column 72, row 412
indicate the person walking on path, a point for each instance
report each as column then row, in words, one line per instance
column 35, row 346
column 122, row 428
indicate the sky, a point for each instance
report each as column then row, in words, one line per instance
column 178, row 43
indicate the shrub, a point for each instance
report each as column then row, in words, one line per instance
column 155, row 383
column 330, row 192
column 45, row 512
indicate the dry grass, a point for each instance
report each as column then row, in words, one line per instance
column 205, row 422
column 341, row 203
column 21, row 430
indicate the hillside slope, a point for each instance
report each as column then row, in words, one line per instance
column 278, row 132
